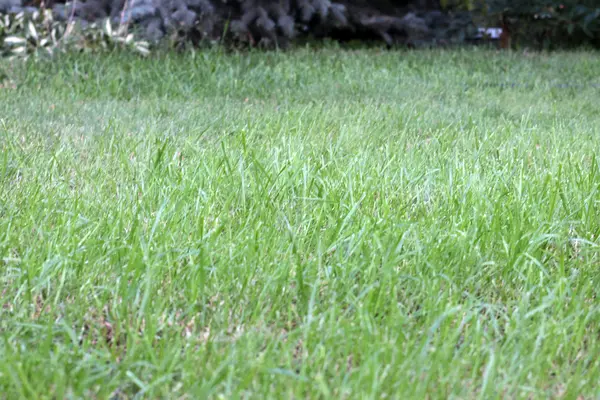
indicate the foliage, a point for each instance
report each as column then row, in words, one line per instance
column 241, row 22
column 39, row 34
column 549, row 23
column 272, row 24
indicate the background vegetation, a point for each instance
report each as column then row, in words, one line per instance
column 92, row 25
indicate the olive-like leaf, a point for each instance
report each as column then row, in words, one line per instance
column 12, row 40
column 19, row 50
column 32, row 31
column 108, row 27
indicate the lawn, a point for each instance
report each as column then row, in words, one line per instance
column 312, row 224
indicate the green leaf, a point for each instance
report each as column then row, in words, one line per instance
column 32, row 31
column 20, row 50
column 12, row 40
column 108, row 27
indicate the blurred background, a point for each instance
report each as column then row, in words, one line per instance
column 535, row 24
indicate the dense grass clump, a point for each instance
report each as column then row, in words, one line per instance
column 314, row 224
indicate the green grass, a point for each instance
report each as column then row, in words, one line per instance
column 311, row 224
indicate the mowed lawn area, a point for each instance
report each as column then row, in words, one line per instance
column 306, row 224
